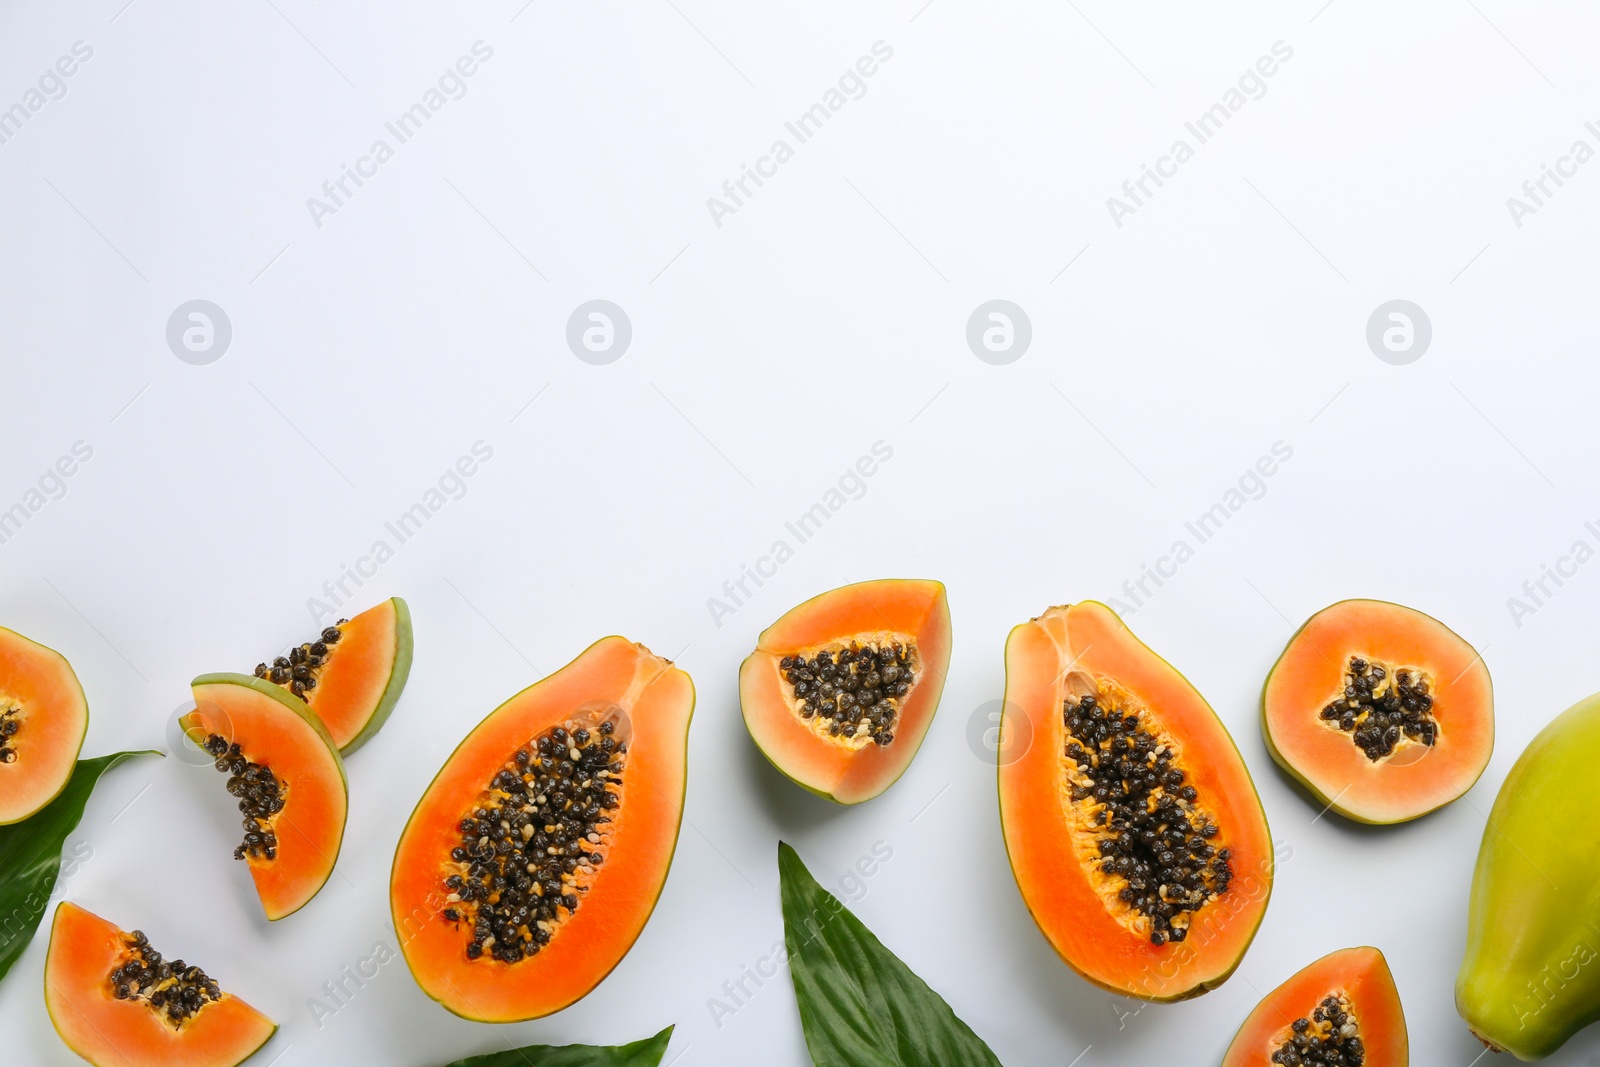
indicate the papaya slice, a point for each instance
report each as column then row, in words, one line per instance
column 1131, row 822
column 1342, row 1009
column 289, row 779
column 352, row 673
column 535, row 857
column 841, row 690
column 117, row 1002
column 1383, row 713
column 43, row 719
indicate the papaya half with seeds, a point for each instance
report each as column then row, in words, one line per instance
column 1530, row 978
column 1383, row 713
column 840, row 691
column 352, row 673
column 43, row 719
column 1131, row 822
column 537, row 854
column 289, row 779
column 1343, row 1009
column 115, row 1001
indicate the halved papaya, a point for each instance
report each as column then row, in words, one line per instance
column 352, row 673
column 1342, row 1009
column 289, row 779
column 1131, row 822
column 1382, row 712
column 840, row 691
column 43, row 719
column 534, row 859
column 117, row 1002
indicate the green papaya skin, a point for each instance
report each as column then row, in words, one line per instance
column 1531, row 976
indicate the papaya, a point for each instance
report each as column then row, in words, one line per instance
column 1343, row 1009
column 1530, row 978
column 43, row 719
column 1131, row 822
column 536, row 855
column 840, row 691
column 289, row 779
column 117, row 1002
column 352, row 673
column 1382, row 713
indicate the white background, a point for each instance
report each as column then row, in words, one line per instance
column 769, row 353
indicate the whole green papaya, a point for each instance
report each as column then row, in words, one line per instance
column 1531, row 976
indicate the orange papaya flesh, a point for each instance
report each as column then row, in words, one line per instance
column 1345, row 1003
column 537, row 854
column 352, row 673
column 289, row 779
column 1131, row 822
column 117, row 1002
column 1381, row 712
column 839, row 692
column 43, row 719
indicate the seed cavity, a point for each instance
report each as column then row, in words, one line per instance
column 172, row 989
column 530, row 849
column 1381, row 707
column 10, row 725
column 1329, row 1037
column 299, row 670
column 260, row 793
column 855, row 693
column 1154, row 840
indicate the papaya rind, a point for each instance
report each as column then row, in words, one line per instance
column 399, row 672
column 1364, row 973
column 809, row 788
column 83, row 732
column 121, row 1061
column 306, row 715
column 282, row 696
column 1310, row 788
column 1199, row 988
column 1508, row 1002
column 936, row 682
column 672, row 851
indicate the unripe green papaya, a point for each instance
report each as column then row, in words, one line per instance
column 1531, row 976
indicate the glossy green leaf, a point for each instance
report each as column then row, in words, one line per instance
column 859, row 1005
column 30, row 856
column 646, row 1053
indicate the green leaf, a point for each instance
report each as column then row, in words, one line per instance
column 859, row 1005
column 646, row 1053
column 30, row 855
